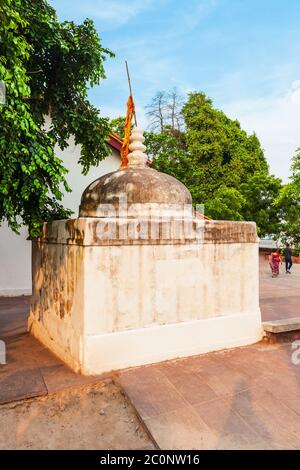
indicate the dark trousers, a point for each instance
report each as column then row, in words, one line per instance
column 288, row 264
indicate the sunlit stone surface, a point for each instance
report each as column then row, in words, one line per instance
column 138, row 278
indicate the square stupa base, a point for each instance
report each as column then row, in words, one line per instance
column 103, row 303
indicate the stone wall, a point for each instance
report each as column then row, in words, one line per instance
column 103, row 303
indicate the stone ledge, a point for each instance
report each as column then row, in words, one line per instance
column 282, row 326
column 90, row 231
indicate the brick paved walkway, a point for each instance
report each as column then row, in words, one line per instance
column 246, row 398
column 243, row 398
column 279, row 297
column 31, row 369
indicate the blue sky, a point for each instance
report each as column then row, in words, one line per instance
column 245, row 54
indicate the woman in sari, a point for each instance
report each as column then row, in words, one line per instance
column 275, row 260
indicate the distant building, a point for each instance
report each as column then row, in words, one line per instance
column 267, row 244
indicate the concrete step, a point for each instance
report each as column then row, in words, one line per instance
column 287, row 329
column 282, row 326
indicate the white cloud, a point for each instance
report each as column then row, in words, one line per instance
column 114, row 12
column 294, row 92
column 191, row 14
column 276, row 121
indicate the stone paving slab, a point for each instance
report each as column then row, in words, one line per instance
column 21, row 384
column 244, row 398
column 279, row 297
column 283, row 325
column 31, row 370
column 14, row 312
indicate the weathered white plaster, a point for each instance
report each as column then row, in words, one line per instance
column 102, row 305
column 159, row 343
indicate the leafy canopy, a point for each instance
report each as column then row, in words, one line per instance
column 47, row 67
column 288, row 201
column 223, row 167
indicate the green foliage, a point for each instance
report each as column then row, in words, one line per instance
column 223, row 167
column 260, row 192
column 227, row 204
column 117, row 125
column 47, row 67
column 221, row 151
column 168, row 155
column 288, row 201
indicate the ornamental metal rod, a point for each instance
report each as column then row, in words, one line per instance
column 130, row 89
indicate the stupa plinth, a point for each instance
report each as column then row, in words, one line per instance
column 138, row 278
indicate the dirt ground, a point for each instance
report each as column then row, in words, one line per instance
column 90, row 417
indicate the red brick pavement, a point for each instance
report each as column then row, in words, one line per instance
column 242, row 398
column 31, row 369
column 279, row 297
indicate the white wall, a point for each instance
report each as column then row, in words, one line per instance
column 15, row 250
column 15, row 262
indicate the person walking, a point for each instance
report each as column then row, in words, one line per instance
column 275, row 260
column 287, row 252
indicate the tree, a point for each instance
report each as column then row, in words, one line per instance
column 47, row 67
column 288, row 202
column 260, row 192
column 227, row 204
column 221, row 151
column 164, row 111
column 224, row 168
column 157, row 111
column 168, row 154
column 174, row 106
column 117, row 126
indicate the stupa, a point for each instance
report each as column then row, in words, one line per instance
column 136, row 190
column 138, row 278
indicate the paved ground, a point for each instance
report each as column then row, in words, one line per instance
column 243, row 398
column 279, row 297
column 246, row 398
column 59, row 409
column 31, row 369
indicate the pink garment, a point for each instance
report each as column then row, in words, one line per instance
column 275, row 262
